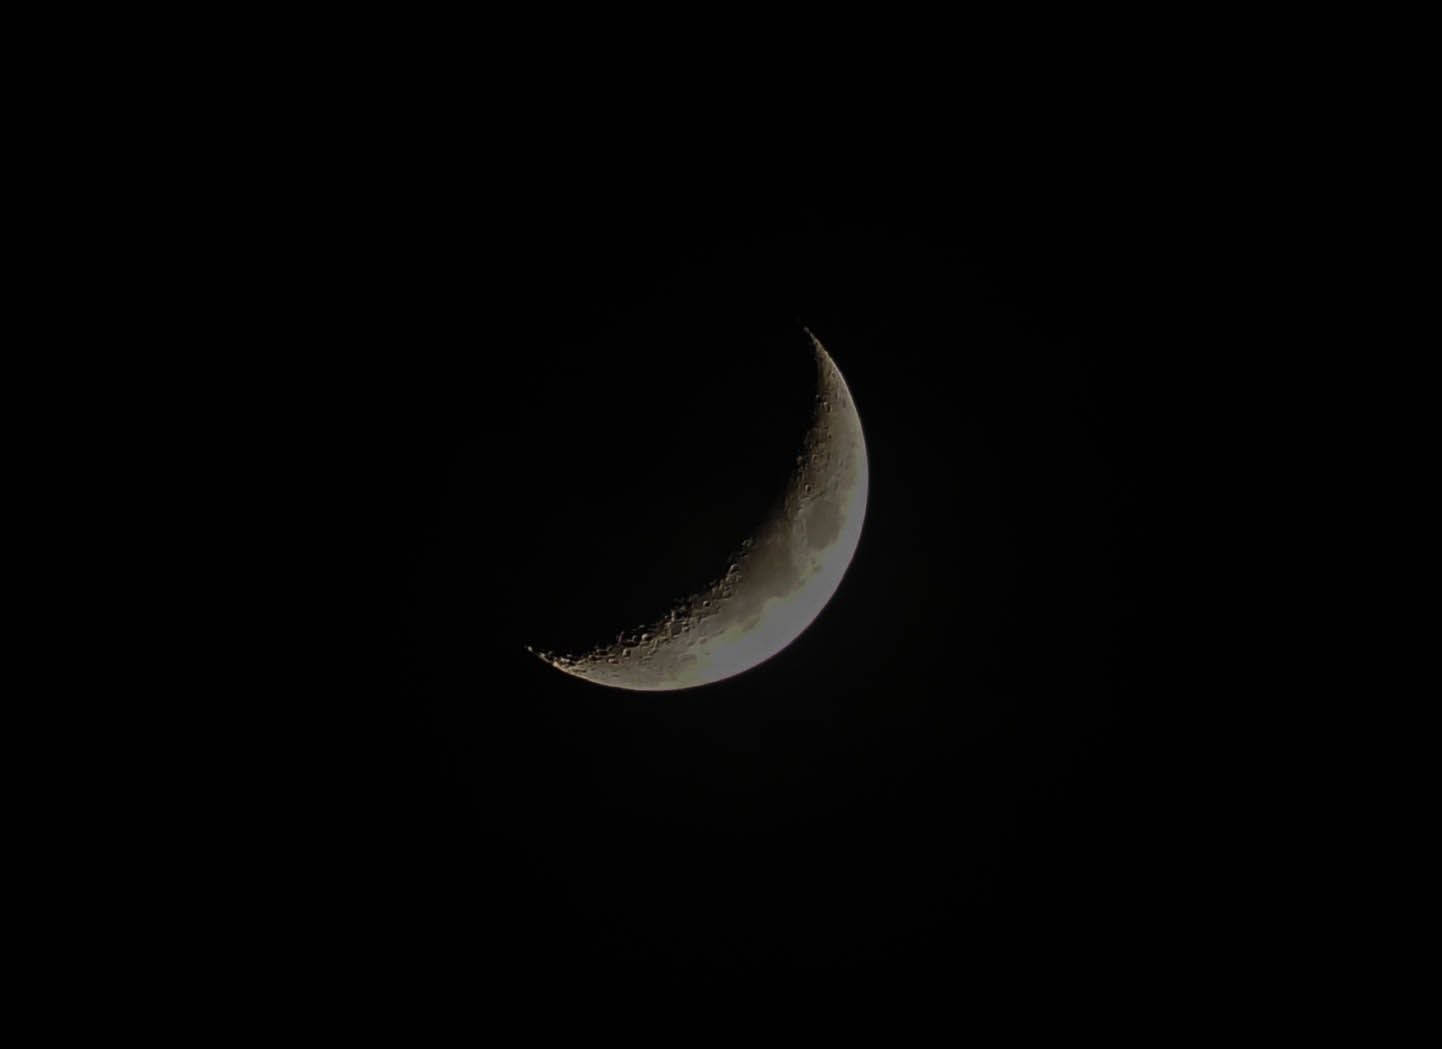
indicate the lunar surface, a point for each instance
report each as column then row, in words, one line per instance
column 774, row 584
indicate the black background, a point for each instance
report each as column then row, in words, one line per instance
column 553, row 404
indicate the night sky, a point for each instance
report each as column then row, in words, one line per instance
column 559, row 409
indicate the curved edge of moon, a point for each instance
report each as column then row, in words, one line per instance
column 775, row 583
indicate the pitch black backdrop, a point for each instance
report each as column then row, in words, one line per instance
column 557, row 410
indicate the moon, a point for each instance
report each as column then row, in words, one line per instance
column 777, row 580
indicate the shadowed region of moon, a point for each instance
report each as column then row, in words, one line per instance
column 774, row 584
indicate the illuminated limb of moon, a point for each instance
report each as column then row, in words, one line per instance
column 776, row 582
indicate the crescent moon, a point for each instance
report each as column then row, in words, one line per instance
column 774, row 585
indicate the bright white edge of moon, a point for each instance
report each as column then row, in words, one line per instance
column 774, row 585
